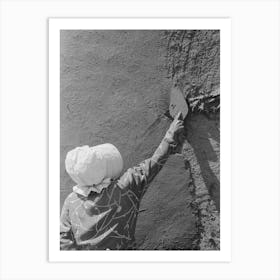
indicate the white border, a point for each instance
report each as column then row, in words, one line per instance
column 55, row 255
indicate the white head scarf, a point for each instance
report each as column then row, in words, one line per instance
column 93, row 166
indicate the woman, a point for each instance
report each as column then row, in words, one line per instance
column 101, row 212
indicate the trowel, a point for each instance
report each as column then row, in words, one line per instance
column 178, row 103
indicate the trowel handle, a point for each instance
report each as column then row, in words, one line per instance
column 179, row 116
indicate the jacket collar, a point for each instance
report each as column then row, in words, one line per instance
column 86, row 190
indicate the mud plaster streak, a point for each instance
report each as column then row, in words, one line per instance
column 208, row 219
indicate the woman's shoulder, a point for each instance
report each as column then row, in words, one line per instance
column 71, row 197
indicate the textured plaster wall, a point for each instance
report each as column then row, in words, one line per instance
column 193, row 61
column 115, row 88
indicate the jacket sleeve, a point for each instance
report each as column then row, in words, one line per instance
column 67, row 241
column 138, row 177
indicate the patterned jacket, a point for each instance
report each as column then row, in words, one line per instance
column 107, row 220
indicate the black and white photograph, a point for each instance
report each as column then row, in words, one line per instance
column 139, row 139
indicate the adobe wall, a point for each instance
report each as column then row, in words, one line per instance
column 115, row 88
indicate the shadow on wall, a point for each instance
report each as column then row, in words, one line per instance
column 193, row 62
column 203, row 134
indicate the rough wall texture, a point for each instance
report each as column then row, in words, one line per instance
column 193, row 61
column 115, row 88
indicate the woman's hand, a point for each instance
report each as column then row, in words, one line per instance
column 176, row 129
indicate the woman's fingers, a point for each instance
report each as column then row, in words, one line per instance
column 180, row 124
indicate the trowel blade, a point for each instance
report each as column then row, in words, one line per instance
column 178, row 103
